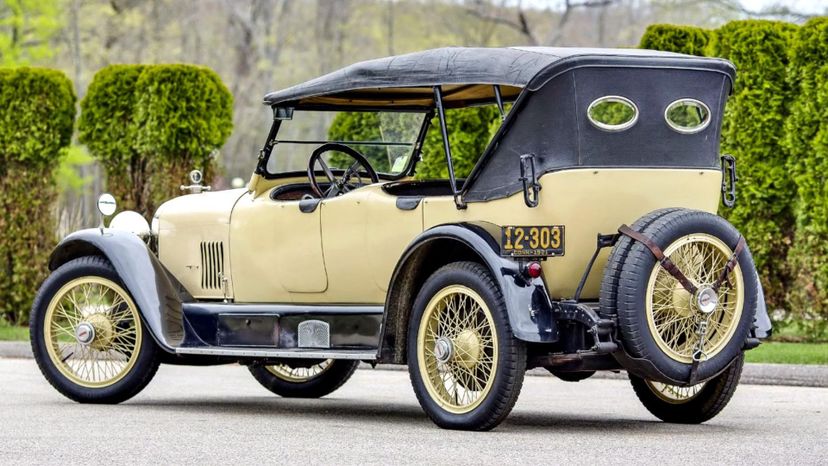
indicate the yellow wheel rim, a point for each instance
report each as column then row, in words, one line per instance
column 673, row 315
column 674, row 394
column 289, row 373
column 457, row 349
column 92, row 332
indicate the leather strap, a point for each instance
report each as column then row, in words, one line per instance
column 731, row 264
column 665, row 261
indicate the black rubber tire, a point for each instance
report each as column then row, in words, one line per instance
column 323, row 384
column 632, row 288
column 571, row 376
column 612, row 271
column 512, row 365
column 712, row 398
column 132, row 383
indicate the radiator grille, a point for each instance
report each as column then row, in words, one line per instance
column 212, row 264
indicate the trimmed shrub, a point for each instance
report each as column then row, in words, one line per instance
column 753, row 132
column 680, row 39
column 373, row 126
column 470, row 130
column 37, row 111
column 106, row 126
column 807, row 143
column 183, row 116
column 149, row 125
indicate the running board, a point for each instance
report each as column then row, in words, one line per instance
column 361, row 355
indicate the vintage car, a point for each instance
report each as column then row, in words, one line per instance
column 584, row 239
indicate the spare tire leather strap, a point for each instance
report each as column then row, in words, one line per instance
column 731, row 264
column 665, row 261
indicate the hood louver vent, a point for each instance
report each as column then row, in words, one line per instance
column 212, row 265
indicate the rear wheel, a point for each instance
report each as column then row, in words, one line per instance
column 304, row 378
column 87, row 335
column 689, row 405
column 466, row 367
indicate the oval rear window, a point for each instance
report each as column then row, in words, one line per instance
column 687, row 116
column 612, row 113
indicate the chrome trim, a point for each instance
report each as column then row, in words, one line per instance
column 613, row 128
column 299, row 353
column 681, row 129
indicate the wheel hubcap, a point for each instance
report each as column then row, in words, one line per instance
column 443, row 349
column 707, row 300
column 85, row 333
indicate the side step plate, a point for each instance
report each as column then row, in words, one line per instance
column 362, row 355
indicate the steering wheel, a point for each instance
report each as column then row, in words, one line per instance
column 346, row 182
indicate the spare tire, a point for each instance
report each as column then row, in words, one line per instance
column 659, row 320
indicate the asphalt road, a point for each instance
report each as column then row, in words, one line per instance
column 220, row 415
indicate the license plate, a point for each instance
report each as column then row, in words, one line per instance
column 532, row 241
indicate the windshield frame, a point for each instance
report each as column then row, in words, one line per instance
column 285, row 113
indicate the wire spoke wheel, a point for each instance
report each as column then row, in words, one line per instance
column 299, row 374
column 457, row 349
column 92, row 332
column 674, row 394
column 674, row 315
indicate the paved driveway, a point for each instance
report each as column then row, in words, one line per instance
column 220, row 415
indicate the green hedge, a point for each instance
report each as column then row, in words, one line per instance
column 680, row 39
column 158, row 120
column 37, row 111
column 470, row 130
column 807, row 143
column 106, row 126
column 753, row 132
column 776, row 123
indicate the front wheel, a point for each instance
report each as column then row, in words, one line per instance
column 87, row 336
column 689, row 405
column 466, row 367
column 304, row 378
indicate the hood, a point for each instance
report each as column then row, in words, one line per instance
column 206, row 207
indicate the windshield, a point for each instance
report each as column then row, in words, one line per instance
column 386, row 139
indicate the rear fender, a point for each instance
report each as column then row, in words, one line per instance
column 761, row 322
column 153, row 290
column 527, row 300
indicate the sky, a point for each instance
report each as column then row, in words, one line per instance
column 804, row 6
column 801, row 6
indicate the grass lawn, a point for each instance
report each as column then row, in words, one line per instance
column 789, row 353
column 10, row 333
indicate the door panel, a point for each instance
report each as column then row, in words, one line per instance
column 363, row 236
column 275, row 251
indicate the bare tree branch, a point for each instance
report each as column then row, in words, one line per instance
column 521, row 24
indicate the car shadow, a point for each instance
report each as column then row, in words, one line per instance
column 398, row 413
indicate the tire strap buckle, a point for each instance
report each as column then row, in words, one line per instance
column 663, row 260
column 698, row 352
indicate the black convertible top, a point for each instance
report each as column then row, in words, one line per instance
column 408, row 79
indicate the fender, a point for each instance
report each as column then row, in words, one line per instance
column 150, row 285
column 527, row 301
column 763, row 328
